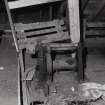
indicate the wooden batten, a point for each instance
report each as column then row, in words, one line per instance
column 25, row 3
column 73, row 9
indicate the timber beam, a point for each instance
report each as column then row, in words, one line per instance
column 26, row 3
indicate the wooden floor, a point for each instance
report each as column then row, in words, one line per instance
column 96, row 66
column 8, row 74
column 95, row 72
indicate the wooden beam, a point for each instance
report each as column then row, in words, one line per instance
column 74, row 18
column 81, row 73
column 25, row 3
column 97, row 12
column 23, row 83
column 19, row 84
column 96, row 24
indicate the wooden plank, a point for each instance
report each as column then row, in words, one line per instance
column 61, row 45
column 95, row 33
column 55, row 47
column 21, row 26
column 39, row 32
column 74, row 18
column 65, row 49
column 19, row 84
column 56, row 37
column 95, row 24
column 24, row 87
column 4, row 27
column 25, row 3
column 29, row 73
column 44, row 39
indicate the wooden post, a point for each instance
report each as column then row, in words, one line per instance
column 19, row 85
column 74, row 25
column 74, row 20
column 80, row 63
column 23, row 83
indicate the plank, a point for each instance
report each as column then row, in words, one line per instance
column 62, row 46
column 19, row 84
column 24, row 87
column 72, row 48
column 95, row 33
column 43, row 39
column 81, row 72
column 25, row 3
column 95, row 24
column 74, row 18
column 39, row 32
column 4, row 26
column 37, row 25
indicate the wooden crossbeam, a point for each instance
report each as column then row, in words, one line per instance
column 39, row 32
column 95, row 29
column 25, row 3
column 21, row 26
column 44, row 39
column 95, row 33
column 95, row 24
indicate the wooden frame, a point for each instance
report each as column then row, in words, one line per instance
column 73, row 8
column 26, row 3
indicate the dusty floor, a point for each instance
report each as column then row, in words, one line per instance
column 8, row 75
column 96, row 66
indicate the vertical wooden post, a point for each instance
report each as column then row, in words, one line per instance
column 24, row 86
column 19, row 85
column 74, row 27
column 74, row 20
column 80, row 63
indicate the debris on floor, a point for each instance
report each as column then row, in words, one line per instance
column 92, row 90
column 65, row 92
column 87, row 94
